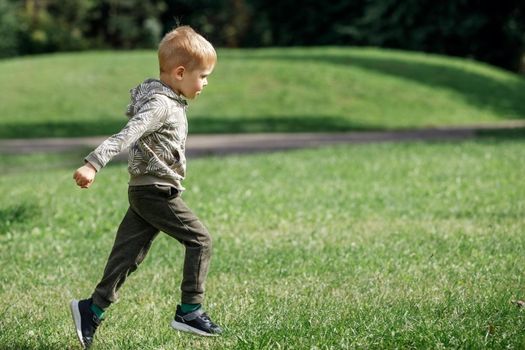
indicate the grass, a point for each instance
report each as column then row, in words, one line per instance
column 266, row 90
column 416, row 245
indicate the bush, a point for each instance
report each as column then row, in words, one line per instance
column 9, row 29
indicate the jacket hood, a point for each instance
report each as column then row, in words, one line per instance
column 144, row 92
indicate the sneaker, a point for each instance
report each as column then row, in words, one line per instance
column 86, row 322
column 195, row 322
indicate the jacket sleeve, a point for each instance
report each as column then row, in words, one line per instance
column 150, row 118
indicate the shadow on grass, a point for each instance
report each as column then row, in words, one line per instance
column 61, row 129
column 197, row 125
column 204, row 125
column 501, row 135
column 480, row 90
column 17, row 214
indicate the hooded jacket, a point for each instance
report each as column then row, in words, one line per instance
column 155, row 134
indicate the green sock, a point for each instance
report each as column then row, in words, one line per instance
column 97, row 310
column 189, row 307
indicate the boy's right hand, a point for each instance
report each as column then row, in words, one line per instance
column 85, row 175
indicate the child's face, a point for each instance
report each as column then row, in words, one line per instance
column 194, row 81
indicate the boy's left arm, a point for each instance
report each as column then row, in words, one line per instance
column 146, row 121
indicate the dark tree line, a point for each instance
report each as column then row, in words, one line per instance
column 488, row 31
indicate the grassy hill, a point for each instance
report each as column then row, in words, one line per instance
column 264, row 90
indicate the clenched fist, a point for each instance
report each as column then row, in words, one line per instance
column 85, row 175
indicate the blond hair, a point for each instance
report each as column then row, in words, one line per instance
column 184, row 47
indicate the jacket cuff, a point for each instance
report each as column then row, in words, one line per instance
column 93, row 160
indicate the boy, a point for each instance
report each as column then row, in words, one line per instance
column 156, row 134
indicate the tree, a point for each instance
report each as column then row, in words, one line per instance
column 483, row 30
column 125, row 24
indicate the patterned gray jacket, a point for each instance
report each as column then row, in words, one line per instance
column 155, row 134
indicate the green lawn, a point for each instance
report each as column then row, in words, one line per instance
column 410, row 245
column 265, row 90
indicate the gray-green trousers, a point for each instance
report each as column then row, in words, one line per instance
column 155, row 208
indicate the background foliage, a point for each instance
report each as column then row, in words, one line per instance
column 488, row 31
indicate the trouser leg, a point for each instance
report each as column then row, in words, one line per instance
column 168, row 213
column 132, row 242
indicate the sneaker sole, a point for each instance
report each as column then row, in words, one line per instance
column 73, row 306
column 186, row 328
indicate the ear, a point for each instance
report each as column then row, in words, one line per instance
column 178, row 73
